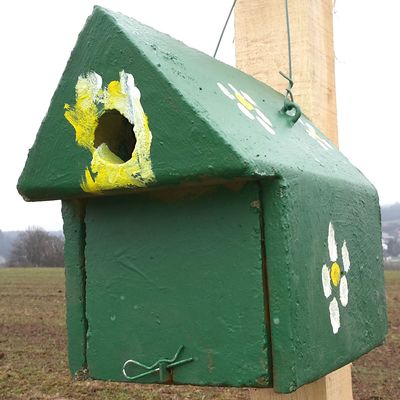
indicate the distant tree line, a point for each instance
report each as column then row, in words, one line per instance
column 391, row 230
column 37, row 248
column 392, row 248
column 6, row 242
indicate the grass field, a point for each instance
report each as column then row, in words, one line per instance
column 393, row 264
column 33, row 360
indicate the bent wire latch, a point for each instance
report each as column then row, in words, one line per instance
column 161, row 366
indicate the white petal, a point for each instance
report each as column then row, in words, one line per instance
column 345, row 257
column 327, row 144
column 248, row 98
column 332, row 243
column 322, row 144
column 265, row 125
column 311, row 130
column 334, row 315
column 225, row 91
column 326, row 281
column 344, row 291
column 263, row 117
column 245, row 111
column 233, row 88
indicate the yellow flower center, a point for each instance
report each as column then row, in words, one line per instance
column 335, row 273
column 242, row 100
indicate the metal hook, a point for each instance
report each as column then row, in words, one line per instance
column 289, row 103
column 290, row 86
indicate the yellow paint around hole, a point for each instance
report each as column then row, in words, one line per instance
column 117, row 134
column 335, row 273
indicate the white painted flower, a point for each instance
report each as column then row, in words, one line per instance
column 313, row 133
column 334, row 279
column 247, row 106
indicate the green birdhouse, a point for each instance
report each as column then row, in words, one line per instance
column 210, row 240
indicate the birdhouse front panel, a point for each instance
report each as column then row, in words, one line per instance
column 210, row 238
column 165, row 272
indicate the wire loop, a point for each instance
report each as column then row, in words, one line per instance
column 161, row 366
column 289, row 104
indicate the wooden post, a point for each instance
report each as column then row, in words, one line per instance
column 261, row 51
column 334, row 386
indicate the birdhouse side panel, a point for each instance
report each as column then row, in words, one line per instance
column 74, row 232
column 325, row 275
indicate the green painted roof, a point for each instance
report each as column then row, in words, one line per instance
column 208, row 121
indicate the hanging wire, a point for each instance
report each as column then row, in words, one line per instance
column 223, row 29
column 289, row 104
column 289, row 108
column 288, row 39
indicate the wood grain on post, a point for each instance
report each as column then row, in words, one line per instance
column 334, row 386
column 261, row 51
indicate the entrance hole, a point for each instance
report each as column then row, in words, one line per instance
column 117, row 133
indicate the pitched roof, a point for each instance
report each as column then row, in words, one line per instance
column 195, row 119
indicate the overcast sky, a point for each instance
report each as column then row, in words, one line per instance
column 37, row 38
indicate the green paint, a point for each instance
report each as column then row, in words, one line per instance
column 303, row 345
column 193, row 261
column 161, row 274
column 75, row 280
